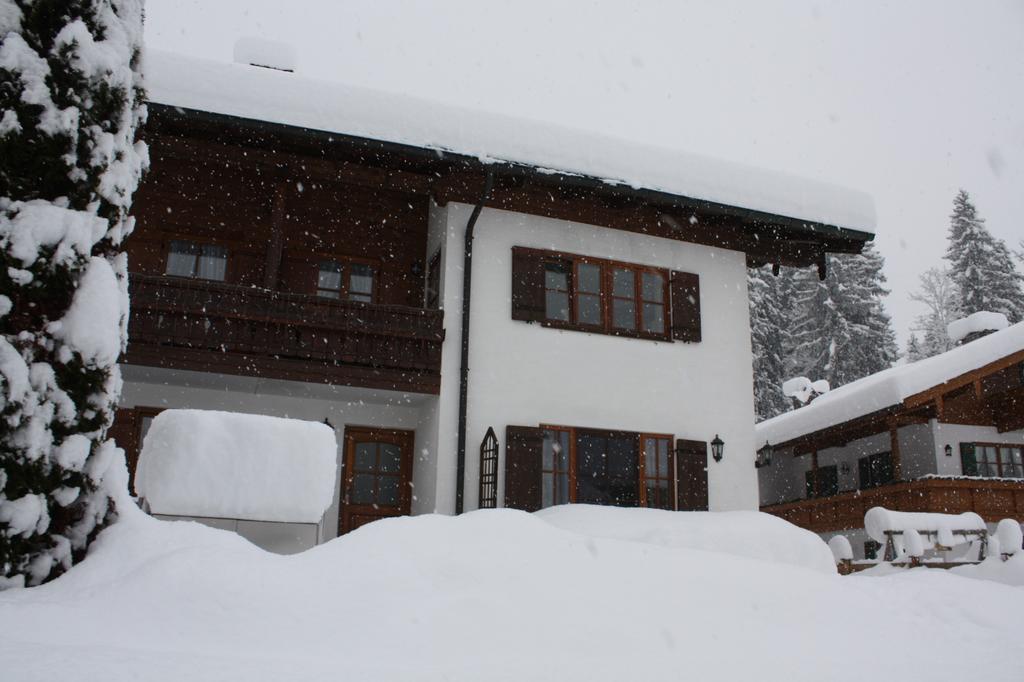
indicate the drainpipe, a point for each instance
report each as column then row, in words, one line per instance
column 467, row 277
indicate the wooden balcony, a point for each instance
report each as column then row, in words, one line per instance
column 216, row 327
column 991, row 499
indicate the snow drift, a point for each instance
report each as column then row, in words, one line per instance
column 496, row 595
column 237, row 466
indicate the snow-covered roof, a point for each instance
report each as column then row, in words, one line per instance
column 890, row 387
column 290, row 99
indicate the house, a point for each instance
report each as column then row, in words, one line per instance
column 944, row 434
column 301, row 251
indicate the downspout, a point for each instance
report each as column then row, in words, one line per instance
column 467, row 277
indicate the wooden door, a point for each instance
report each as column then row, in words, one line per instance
column 692, row 475
column 377, row 476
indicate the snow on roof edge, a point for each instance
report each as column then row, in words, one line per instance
column 290, row 99
column 890, row 387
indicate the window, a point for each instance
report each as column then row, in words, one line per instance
column 658, row 472
column 555, row 467
column 998, row 461
column 604, row 296
column 606, row 467
column 433, row 293
column 828, row 481
column 875, row 470
column 345, row 280
column 201, row 261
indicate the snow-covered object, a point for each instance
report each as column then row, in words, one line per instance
column 743, row 533
column 841, row 549
column 983, row 321
column 238, row 466
column 1008, row 531
column 262, row 52
column 803, row 389
column 890, row 387
column 398, row 599
column 278, row 97
column 877, row 520
column 913, row 543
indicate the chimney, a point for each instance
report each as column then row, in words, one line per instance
column 975, row 326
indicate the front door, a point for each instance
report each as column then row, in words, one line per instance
column 377, row 476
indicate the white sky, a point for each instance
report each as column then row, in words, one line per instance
column 906, row 100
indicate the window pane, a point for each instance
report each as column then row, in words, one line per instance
column 654, row 318
column 623, row 283
column 588, row 309
column 623, row 314
column 563, row 450
column 366, row 457
column 213, row 262
column 563, row 488
column 362, row 489
column 360, row 279
column 329, row 278
column 663, row 457
column 653, row 287
column 388, row 493
column 547, row 490
column 181, row 261
column 650, row 457
column 556, row 305
column 390, row 458
column 363, row 298
column 556, row 276
column 589, row 278
column 1015, row 457
column 548, row 451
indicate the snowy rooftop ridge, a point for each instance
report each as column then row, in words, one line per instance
column 890, row 387
column 290, row 99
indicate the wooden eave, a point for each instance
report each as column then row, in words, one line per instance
column 445, row 176
column 988, row 396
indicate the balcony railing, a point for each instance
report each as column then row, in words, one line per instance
column 991, row 499
column 213, row 325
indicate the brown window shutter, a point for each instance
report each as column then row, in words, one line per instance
column 527, row 285
column 523, row 449
column 692, row 475
column 686, row 307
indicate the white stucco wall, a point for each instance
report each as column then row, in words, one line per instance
column 342, row 406
column 785, row 479
column 527, row 374
column 954, row 434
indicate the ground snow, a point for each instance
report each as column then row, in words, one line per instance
column 495, row 595
column 237, row 466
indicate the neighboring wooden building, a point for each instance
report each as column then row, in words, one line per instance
column 300, row 251
column 944, row 434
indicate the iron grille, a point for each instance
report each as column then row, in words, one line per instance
column 489, row 470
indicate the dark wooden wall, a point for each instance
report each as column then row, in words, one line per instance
column 217, row 195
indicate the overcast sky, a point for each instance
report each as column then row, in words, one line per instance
column 907, row 101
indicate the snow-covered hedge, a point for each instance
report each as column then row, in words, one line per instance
column 238, row 466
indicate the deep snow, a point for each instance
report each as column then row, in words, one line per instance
column 495, row 595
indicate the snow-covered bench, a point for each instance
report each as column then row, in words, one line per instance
column 267, row 478
column 909, row 534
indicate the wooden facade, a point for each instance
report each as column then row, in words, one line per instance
column 991, row 499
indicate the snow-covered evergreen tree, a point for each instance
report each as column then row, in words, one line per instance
column 939, row 293
column 770, row 303
column 914, row 352
column 981, row 265
column 840, row 330
column 70, row 105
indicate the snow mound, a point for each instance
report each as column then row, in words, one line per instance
column 841, row 548
column 982, row 321
column 742, row 533
column 496, row 594
column 877, row 520
column 237, row 466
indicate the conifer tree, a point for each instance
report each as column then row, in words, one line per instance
column 914, row 352
column 770, row 303
column 981, row 265
column 840, row 330
column 70, row 105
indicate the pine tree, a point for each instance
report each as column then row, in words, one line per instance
column 770, row 303
column 70, row 105
column 840, row 330
column 981, row 265
column 914, row 352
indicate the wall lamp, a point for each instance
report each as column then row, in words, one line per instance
column 717, row 445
